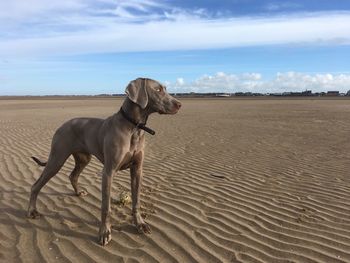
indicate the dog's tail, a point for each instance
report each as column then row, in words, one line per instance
column 40, row 163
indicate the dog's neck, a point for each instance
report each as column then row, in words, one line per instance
column 135, row 115
column 135, row 112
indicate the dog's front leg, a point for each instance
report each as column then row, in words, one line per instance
column 105, row 233
column 114, row 156
column 136, row 180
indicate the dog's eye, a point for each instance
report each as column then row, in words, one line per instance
column 159, row 89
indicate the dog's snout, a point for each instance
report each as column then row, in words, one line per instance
column 177, row 104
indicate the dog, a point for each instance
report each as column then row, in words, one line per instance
column 117, row 142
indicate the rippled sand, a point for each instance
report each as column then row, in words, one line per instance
column 224, row 181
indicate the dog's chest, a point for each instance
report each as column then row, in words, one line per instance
column 136, row 145
column 136, row 141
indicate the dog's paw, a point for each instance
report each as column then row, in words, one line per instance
column 105, row 235
column 143, row 228
column 33, row 214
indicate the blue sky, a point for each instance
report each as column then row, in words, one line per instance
column 98, row 46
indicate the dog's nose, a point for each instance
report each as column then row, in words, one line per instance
column 178, row 104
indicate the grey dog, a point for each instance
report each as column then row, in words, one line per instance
column 118, row 142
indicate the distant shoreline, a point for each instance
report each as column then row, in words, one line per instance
column 86, row 97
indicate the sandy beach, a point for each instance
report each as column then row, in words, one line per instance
column 224, row 181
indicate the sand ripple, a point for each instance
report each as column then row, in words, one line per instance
column 224, row 181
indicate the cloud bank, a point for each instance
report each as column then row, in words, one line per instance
column 254, row 82
column 45, row 28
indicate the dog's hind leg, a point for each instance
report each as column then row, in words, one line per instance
column 56, row 160
column 81, row 160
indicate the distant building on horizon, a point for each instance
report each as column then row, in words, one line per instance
column 223, row 95
column 332, row 93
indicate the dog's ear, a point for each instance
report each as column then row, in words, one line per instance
column 137, row 93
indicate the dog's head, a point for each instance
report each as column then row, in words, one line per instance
column 148, row 93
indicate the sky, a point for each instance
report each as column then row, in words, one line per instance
column 89, row 47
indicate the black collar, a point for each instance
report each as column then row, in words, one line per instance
column 138, row 125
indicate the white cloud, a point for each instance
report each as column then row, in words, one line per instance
column 220, row 82
column 180, row 82
column 16, row 10
column 19, row 9
column 42, row 28
column 254, row 82
column 123, row 9
column 292, row 81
